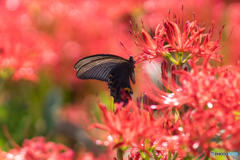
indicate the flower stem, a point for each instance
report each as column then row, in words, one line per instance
column 176, row 55
column 188, row 57
column 142, row 154
column 120, row 154
column 169, row 155
column 175, row 156
column 169, row 57
column 176, row 114
column 180, row 57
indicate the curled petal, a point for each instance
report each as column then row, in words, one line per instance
column 148, row 39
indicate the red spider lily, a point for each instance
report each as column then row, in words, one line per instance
column 212, row 97
column 163, row 96
column 37, row 148
column 209, row 85
column 169, row 38
column 151, row 48
column 208, row 129
column 135, row 128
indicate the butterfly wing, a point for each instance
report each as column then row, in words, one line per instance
column 109, row 68
column 97, row 66
column 119, row 83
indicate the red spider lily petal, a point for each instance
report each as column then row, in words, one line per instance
column 134, row 153
column 173, row 34
column 188, row 27
column 100, row 126
column 173, row 76
column 159, row 30
column 148, row 40
column 164, row 69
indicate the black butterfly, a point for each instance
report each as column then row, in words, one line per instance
column 109, row 68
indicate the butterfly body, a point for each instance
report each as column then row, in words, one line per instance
column 115, row 70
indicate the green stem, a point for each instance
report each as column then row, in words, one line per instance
column 180, row 57
column 175, row 112
column 156, row 157
column 176, row 55
column 142, row 154
column 120, row 154
column 169, row 155
column 146, row 157
column 146, row 146
column 169, row 57
column 188, row 57
column 175, row 156
column 206, row 158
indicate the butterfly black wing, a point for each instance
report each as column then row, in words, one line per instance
column 97, row 66
column 109, row 68
column 119, row 83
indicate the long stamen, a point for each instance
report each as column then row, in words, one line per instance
column 182, row 18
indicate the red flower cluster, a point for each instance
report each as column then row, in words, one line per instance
column 208, row 102
column 169, row 38
column 20, row 45
column 37, row 148
column 139, row 130
column 213, row 97
column 218, row 86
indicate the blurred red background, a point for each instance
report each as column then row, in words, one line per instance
column 41, row 40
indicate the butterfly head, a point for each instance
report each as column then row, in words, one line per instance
column 131, row 60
